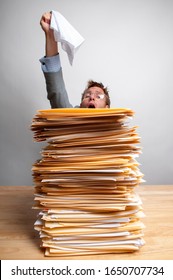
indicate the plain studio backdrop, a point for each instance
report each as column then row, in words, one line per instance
column 128, row 46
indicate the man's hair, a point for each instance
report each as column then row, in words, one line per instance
column 92, row 83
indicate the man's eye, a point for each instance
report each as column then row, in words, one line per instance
column 100, row 96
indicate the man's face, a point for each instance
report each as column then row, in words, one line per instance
column 94, row 97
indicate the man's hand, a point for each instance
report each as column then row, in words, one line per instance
column 45, row 22
column 51, row 45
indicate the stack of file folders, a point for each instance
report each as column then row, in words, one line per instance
column 85, row 182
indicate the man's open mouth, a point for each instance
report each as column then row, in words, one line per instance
column 91, row 106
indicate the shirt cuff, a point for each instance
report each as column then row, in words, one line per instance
column 50, row 63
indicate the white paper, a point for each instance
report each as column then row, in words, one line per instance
column 66, row 34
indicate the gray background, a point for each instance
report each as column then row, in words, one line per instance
column 128, row 46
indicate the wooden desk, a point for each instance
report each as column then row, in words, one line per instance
column 18, row 239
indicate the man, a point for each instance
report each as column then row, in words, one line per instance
column 94, row 96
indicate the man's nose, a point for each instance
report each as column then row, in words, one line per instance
column 92, row 96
